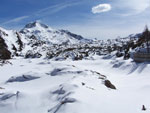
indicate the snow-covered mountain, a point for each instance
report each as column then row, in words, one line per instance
column 11, row 42
column 37, row 38
column 45, row 33
column 42, row 76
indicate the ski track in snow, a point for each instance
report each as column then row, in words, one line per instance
column 42, row 86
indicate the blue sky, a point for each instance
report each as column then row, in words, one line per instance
column 91, row 18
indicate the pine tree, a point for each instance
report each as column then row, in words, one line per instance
column 145, row 37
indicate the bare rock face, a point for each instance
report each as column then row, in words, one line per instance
column 109, row 84
column 19, row 42
column 4, row 52
column 143, row 108
column 32, row 54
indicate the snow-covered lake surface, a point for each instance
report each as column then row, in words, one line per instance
column 42, row 86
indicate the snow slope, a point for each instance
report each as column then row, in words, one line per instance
column 38, row 39
column 11, row 38
column 57, row 71
column 52, row 36
column 42, row 86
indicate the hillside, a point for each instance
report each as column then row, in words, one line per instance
column 44, row 70
column 37, row 39
column 42, row 86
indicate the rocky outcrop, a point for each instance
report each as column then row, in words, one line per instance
column 4, row 52
column 109, row 84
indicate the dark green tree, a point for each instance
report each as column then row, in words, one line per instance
column 145, row 38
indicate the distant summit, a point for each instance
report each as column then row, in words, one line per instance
column 49, row 35
column 35, row 24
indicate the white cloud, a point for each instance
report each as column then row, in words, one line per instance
column 101, row 8
column 131, row 7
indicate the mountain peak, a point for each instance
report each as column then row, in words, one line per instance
column 36, row 24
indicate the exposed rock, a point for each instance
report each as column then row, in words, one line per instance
column 109, row 84
column 143, row 108
column 20, row 43
column 3, row 62
column 4, row 52
column 32, row 54
column 83, row 83
column 119, row 54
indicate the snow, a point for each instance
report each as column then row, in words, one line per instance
column 74, row 79
column 39, row 38
column 74, row 86
column 48, row 34
column 10, row 39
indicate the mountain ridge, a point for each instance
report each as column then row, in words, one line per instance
column 37, row 40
